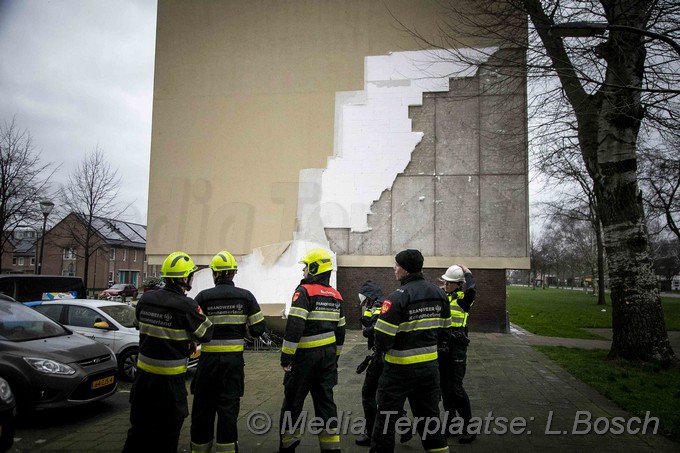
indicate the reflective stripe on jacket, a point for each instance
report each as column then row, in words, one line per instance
column 414, row 320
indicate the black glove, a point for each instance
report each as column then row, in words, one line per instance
column 364, row 364
column 458, row 337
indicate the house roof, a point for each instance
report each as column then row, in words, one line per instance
column 24, row 246
column 115, row 232
column 119, row 232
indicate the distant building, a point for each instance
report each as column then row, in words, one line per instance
column 19, row 254
column 117, row 252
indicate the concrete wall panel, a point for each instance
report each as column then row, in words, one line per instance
column 457, row 216
column 457, row 129
column 377, row 240
column 422, row 120
column 503, row 144
column 503, row 212
column 413, row 214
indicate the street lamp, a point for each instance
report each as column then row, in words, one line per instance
column 46, row 207
column 588, row 29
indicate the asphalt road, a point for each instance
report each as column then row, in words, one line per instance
column 44, row 427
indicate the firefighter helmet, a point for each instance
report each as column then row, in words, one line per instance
column 223, row 261
column 454, row 274
column 318, row 261
column 178, row 265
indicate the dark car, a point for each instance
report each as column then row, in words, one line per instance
column 30, row 288
column 47, row 365
column 7, row 416
column 121, row 290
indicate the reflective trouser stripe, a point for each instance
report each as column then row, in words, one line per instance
column 329, row 441
column 201, row 448
column 225, row 447
column 438, row 449
column 290, row 440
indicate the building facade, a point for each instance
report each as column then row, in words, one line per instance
column 116, row 249
column 304, row 123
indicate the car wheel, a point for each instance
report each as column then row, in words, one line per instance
column 127, row 364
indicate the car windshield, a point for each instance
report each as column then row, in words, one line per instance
column 21, row 323
column 124, row 314
column 118, row 286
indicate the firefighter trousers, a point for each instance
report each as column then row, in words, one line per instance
column 157, row 412
column 420, row 384
column 452, row 367
column 314, row 371
column 217, row 387
column 369, row 392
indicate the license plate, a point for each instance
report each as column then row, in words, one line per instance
column 102, row 382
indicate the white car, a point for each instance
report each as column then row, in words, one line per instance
column 108, row 322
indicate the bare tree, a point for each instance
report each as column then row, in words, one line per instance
column 659, row 175
column 91, row 194
column 23, row 181
column 610, row 86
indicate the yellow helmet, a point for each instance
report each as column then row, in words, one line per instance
column 318, row 261
column 223, row 261
column 178, row 265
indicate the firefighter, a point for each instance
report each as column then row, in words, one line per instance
column 170, row 325
column 219, row 380
column 413, row 321
column 313, row 339
column 452, row 363
column 371, row 297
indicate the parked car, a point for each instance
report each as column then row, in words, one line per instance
column 121, row 290
column 28, row 288
column 48, row 365
column 108, row 322
column 8, row 414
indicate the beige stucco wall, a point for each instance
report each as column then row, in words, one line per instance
column 244, row 99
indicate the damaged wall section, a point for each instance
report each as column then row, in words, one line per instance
column 464, row 193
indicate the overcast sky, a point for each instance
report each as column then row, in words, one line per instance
column 78, row 74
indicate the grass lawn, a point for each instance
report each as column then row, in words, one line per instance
column 563, row 313
column 635, row 387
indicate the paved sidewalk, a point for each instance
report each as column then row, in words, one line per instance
column 605, row 343
column 506, row 378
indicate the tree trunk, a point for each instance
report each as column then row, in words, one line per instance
column 639, row 331
column 600, row 264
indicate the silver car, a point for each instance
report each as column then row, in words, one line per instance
column 108, row 322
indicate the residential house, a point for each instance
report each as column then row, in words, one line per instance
column 116, row 249
column 18, row 255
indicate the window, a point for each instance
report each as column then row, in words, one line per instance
column 112, row 255
column 82, row 317
column 68, row 272
column 69, row 254
column 32, row 261
column 14, row 261
column 21, row 261
column 124, row 254
column 134, row 255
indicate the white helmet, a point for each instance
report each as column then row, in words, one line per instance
column 454, row 274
